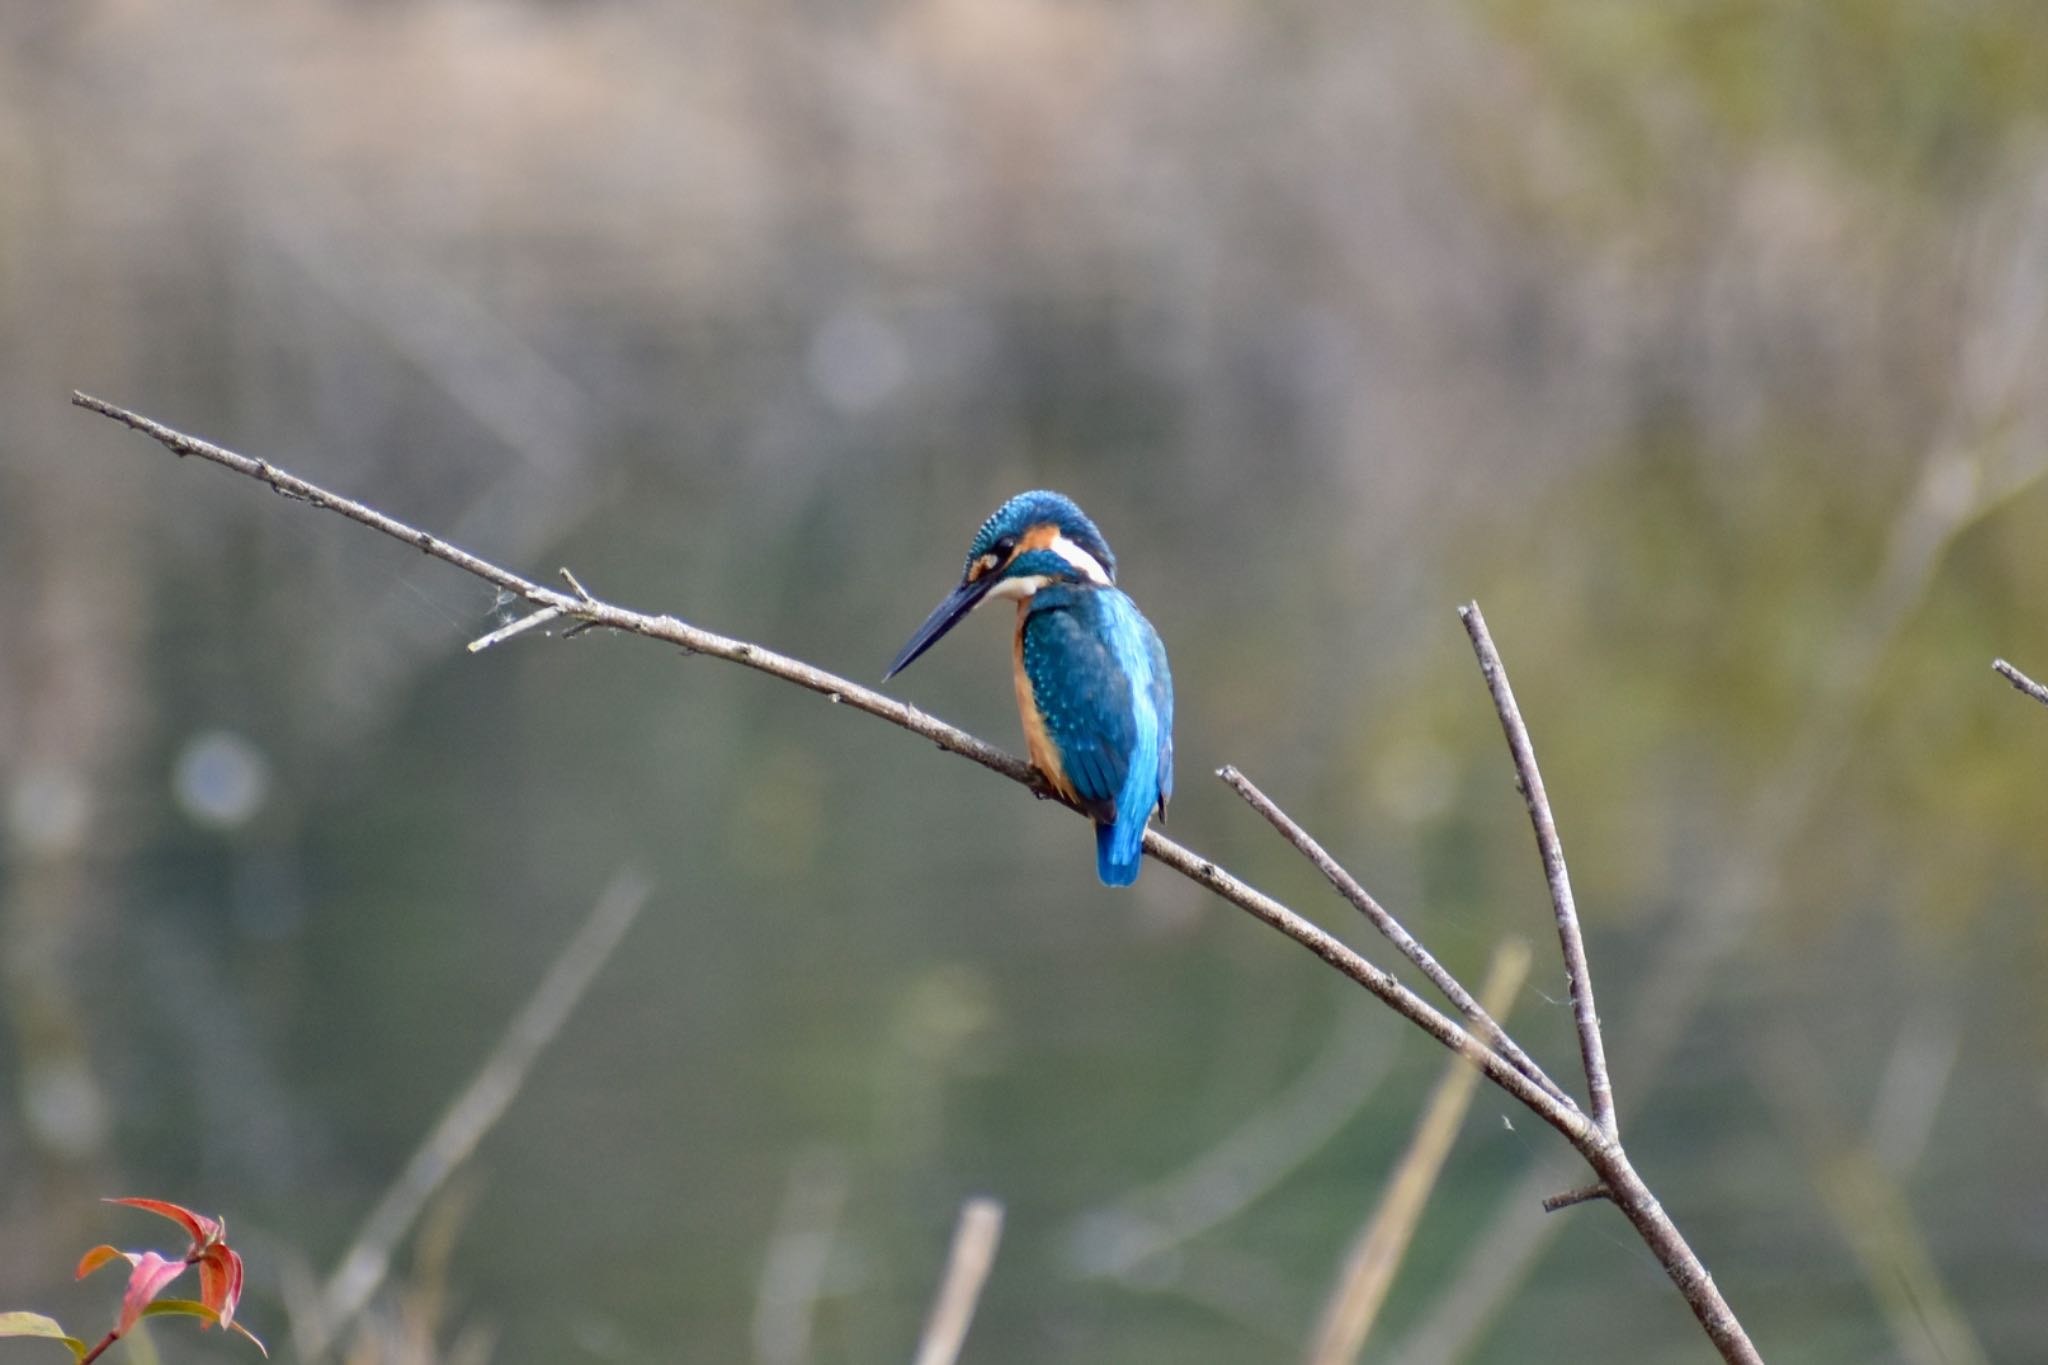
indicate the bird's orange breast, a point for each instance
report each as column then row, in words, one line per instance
column 1044, row 755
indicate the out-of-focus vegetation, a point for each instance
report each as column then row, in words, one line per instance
column 1704, row 344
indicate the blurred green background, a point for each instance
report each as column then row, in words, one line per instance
column 1705, row 344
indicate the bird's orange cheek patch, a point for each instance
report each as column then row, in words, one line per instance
column 1039, row 537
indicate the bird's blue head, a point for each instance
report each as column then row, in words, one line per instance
column 1033, row 539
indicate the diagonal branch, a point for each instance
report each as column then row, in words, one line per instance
column 1397, row 934
column 1593, row 1142
column 596, row 611
column 1716, row 911
column 477, row 1110
column 967, row 1265
column 1594, row 1051
column 581, row 605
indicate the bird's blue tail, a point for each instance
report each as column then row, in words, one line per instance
column 1118, row 851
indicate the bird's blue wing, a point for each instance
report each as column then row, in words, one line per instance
column 1098, row 677
column 1162, row 705
column 1083, row 696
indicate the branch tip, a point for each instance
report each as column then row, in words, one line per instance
column 1584, row 1194
column 2020, row 681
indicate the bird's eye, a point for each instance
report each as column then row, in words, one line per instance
column 1003, row 547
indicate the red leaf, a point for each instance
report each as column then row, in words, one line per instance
column 213, row 1284
column 220, row 1281
column 220, row 1271
column 151, row 1276
column 97, row 1257
column 198, row 1226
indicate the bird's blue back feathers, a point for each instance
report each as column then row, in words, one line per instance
column 1098, row 675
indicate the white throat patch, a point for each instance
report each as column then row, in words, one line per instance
column 1015, row 589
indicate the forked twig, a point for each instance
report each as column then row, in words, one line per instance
column 1718, row 909
column 1592, row 1049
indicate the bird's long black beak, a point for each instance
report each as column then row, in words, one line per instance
column 944, row 617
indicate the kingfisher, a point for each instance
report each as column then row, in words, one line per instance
column 1092, row 684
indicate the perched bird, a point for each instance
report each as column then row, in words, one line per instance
column 1091, row 674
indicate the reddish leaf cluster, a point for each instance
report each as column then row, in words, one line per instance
column 220, row 1273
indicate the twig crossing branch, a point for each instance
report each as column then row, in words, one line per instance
column 1348, row 887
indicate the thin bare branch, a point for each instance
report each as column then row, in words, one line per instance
column 596, row 611
column 1716, row 911
column 1394, row 931
column 1630, row 1193
column 519, row 627
column 1605, row 1155
column 575, row 583
column 1592, row 1049
column 1377, row 1252
column 2021, row 681
column 582, row 607
column 476, row 1110
column 974, row 1250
